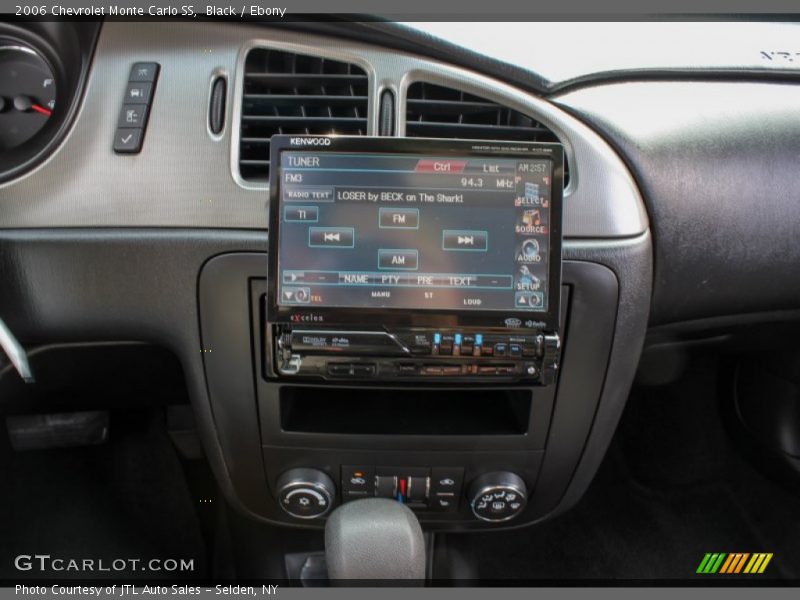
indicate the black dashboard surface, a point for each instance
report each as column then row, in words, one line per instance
column 717, row 166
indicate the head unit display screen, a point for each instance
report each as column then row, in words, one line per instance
column 415, row 230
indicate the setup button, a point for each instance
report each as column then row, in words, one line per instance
column 331, row 237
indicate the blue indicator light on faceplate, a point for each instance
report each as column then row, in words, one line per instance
column 437, row 338
column 458, row 339
column 478, row 339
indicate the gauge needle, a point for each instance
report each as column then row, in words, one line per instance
column 26, row 103
column 41, row 109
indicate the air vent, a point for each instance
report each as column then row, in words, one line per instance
column 441, row 112
column 296, row 94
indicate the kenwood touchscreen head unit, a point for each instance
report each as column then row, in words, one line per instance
column 398, row 258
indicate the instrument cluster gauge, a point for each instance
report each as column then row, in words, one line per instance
column 27, row 95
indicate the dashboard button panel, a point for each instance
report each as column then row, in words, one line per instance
column 132, row 121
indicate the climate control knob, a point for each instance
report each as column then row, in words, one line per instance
column 498, row 496
column 305, row 493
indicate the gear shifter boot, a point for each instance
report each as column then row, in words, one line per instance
column 374, row 538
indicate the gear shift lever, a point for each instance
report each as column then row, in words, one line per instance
column 374, row 538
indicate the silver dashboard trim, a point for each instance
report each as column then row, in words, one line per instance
column 607, row 204
column 185, row 178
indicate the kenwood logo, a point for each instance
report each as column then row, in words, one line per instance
column 314, row 141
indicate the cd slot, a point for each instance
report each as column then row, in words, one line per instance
column 397, row 412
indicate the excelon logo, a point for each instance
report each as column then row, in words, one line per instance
column 311, row 141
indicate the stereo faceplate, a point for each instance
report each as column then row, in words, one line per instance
column 414, row 354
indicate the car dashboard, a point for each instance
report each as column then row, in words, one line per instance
column 139, row 213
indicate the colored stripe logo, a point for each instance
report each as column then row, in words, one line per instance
column 734, row 563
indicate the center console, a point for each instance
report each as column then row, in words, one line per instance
column 404, row 263
column 418, row 331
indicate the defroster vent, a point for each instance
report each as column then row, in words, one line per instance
column 441, row 112
column 293, row 93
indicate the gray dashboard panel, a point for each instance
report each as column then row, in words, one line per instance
column 184, row 176
column 718, row 165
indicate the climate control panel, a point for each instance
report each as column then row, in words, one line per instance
column 437, row 488
column 493, row 497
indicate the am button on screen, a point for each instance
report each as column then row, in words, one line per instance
column 401, row 260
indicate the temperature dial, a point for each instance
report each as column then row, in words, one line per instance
column 498, row 496
column 305, row 493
